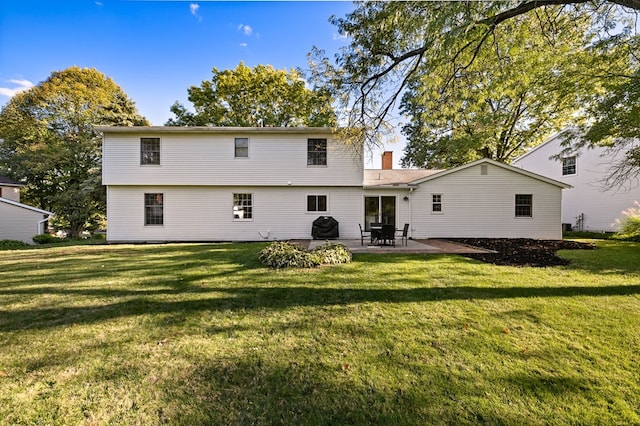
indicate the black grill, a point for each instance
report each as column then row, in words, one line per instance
column 325, row 227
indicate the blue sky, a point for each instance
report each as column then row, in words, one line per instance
column 155, row 50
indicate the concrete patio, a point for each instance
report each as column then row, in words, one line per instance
column 429, row 246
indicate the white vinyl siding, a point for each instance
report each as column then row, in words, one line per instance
column 197, row 213
column 599, row 207
column 18, row 223
column 482, row 206
column 205, row 159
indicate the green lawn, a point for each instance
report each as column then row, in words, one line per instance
column 202, row 334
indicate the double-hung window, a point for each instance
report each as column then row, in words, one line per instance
column 524, row 205
column 149, row 151
column 242, row 147
column 242, row 206
column 569, row 166
column 154, row 209
column 316, row 203
column 436, row 203
column 316, row 152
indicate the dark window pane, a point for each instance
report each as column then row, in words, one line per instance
column 150, row 151
column 241, row 147
column 153, row 209
column 322, row 203
column 316, row 152
column 524, row 205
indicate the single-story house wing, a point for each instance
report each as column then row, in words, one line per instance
column 21, row 222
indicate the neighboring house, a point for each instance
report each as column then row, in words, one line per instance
column 19, row 221
column 587, row 205
column 9, row 189
column 248, row 184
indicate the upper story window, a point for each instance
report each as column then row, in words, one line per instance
column 316, row 203
column 316, row 152
column 150, row 151
column 242, row 206
column 524, row 205
column 436, row 203
column 242, row 147
column 569, row 166
column 154, row 209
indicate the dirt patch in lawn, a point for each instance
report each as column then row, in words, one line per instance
column 522, row 251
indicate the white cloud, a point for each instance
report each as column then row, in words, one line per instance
column 22, row 86
column 243, row 44
column 194, row 7
column 246, row 29
column 98, row 3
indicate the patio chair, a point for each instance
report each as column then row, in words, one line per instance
column 404, row 234
column 388, row 235
column 363, row 234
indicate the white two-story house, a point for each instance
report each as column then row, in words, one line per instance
column 588, row 205
column 254, row 184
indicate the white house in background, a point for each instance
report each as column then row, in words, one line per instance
column 248, row 184
column 19, row 221
column 587, row 205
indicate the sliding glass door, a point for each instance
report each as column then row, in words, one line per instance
column 379, row 209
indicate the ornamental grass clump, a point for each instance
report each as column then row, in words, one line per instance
column 283, row 254
column 629, row 224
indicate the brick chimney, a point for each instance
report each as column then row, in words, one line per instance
column 387, row 160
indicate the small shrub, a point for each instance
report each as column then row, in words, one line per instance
column 629, row 224
column 282, row 254
column 46, row 239
column 12, row 245
column 332, row 253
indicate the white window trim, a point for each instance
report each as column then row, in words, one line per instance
column 306, row 204
column 575, row 166
column 140, row 151
column 514, row 209
column 326, row 153
column 144, row 211
column 253, row 200
column 441, row 212
column 248, row 149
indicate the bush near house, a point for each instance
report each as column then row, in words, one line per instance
column 283, row 254
column 630, row 224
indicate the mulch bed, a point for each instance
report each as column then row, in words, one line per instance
column 522, row 251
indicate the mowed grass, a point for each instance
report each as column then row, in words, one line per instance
column 202, row 334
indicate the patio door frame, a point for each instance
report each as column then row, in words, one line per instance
column 383, row 205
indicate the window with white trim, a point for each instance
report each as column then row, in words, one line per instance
column 242, row 206
column 524, row 205
column 436, row 203
column 153, row 209
column 316, row 203
column 569, row 166
column 241, row 147
column 316, row 152
column 149, row 151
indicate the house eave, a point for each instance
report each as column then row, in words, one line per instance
column 25, row 206
column 215, row 130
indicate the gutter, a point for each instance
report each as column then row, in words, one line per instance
column 46, row 219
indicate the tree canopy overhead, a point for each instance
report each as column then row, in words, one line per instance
column 48, row 142
column 466, row 65
column 254, row 97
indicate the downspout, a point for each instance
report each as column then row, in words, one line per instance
column 410, row 214
column 41, row 222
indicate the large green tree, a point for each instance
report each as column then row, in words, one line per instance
column 48, row 142
column 509, row 97
column 429, row 48
column 260, row 96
